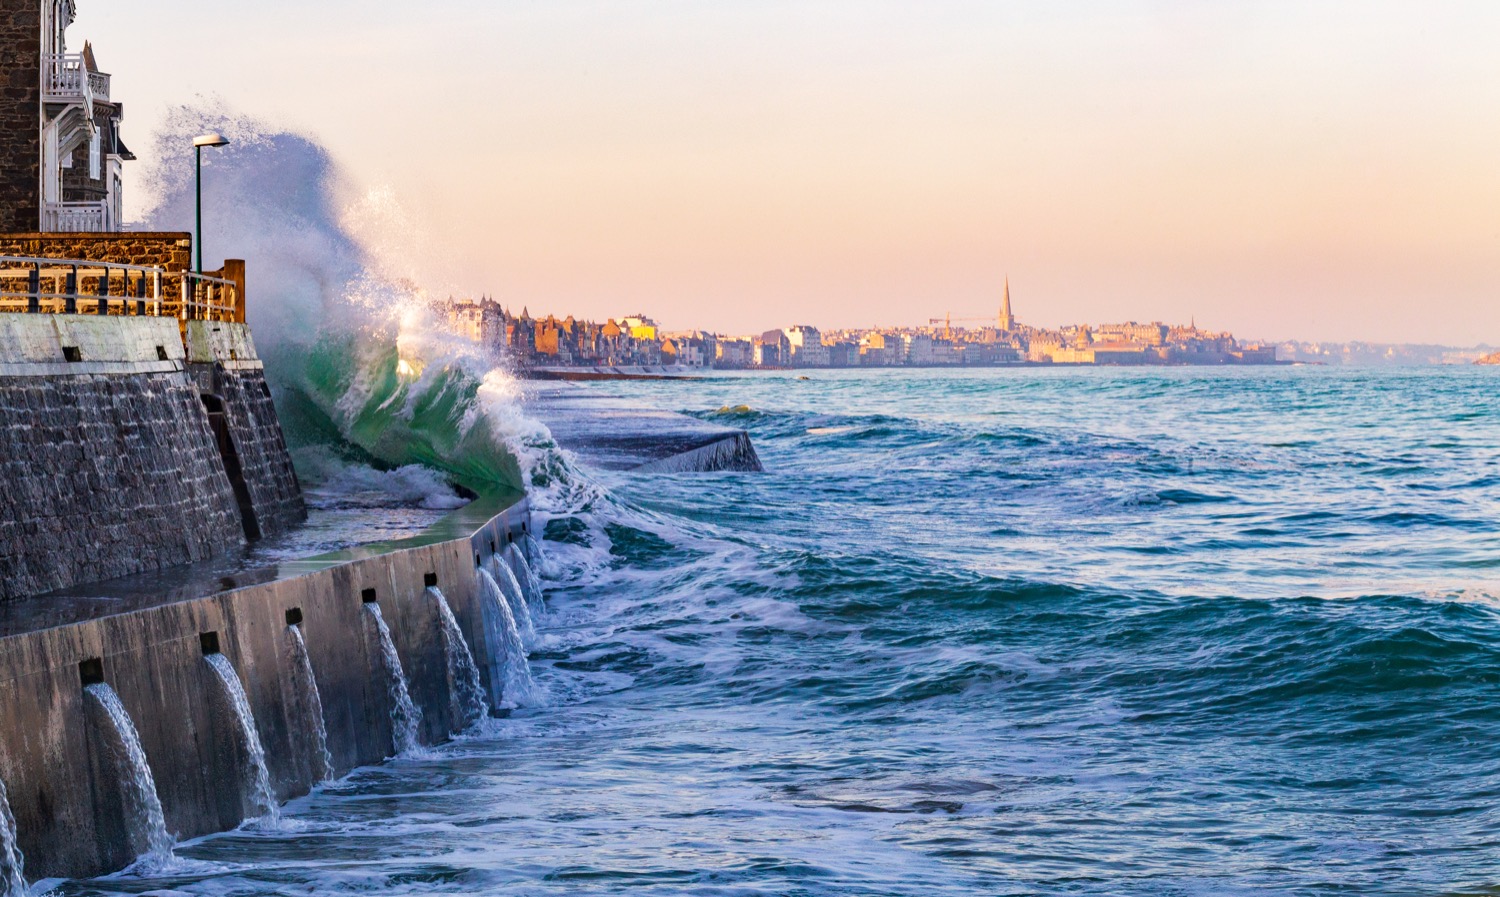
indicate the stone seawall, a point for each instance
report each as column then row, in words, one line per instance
column 109, row 464
column 112, row 459
column 224, row 362
column 54, row 761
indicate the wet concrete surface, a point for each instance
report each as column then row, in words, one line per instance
column 610, row 432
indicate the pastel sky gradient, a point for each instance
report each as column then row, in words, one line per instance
column 1323, row 170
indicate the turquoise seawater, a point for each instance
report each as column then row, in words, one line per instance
column 1173, row 631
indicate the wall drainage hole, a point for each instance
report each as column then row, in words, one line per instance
column 429, row 580
column 72, row 353
column 294, row 616
column 209, row 642
column 161, row 353
column 91, row 671
column 367, row 596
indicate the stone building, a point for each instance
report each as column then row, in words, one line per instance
column 771, row 350
column 732, row 353
column 61, row 156
column 807, row 349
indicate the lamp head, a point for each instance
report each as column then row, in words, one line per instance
column 211, row 140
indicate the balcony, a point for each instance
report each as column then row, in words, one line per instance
column 66, row 79
column 76, row 217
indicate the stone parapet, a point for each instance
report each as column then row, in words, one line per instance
column 52, row 339
column 170, row 250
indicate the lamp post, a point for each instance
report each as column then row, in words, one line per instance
column 198, row 144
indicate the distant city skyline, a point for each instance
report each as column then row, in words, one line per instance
column 1310, row 170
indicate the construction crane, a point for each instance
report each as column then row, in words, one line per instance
column 948, row 319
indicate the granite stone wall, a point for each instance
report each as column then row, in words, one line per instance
column 222, row 358
column 274, row 493
column 170, row 250
column 20, row 114
column 106, row 475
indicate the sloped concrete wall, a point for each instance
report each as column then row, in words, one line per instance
column 68, row 808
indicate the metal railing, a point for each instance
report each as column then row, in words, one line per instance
column 76, row 217
column 76, row 286
column 209, row 298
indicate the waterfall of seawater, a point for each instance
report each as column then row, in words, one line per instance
column 305, row 686
column 504, row 639
column 259, row 778
column 510, row 587
column 405, row 716
column 148, row 825
column 533, row 548
column 464, row 684
column 527, row 577
column 12, row 877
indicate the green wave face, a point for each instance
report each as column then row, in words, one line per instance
column 351, row 391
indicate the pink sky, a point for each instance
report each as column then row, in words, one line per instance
column 1314, row 170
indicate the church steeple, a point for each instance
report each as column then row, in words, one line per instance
column 1007, row 323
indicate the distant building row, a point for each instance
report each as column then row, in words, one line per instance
column 636, row 340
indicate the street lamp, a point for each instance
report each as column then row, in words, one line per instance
column 198, row 144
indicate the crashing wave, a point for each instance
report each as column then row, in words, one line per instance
column 363, row 368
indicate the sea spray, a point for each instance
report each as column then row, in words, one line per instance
column 406, row 717
column 12, row 863
column 310, row 704
column 463, row 676
column 510, row 589
column 147, row 823
column 258, row 778
column 506, row 650
column 351, row 344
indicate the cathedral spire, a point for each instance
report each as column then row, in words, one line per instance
column 1007, row 323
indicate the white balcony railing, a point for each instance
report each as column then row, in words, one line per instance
column 65, row 79
column 76, row 217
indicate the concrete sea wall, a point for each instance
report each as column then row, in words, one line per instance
column 64, row 792
column 113, row 460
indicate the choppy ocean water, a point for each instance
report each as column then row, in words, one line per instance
column 1180, row 631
